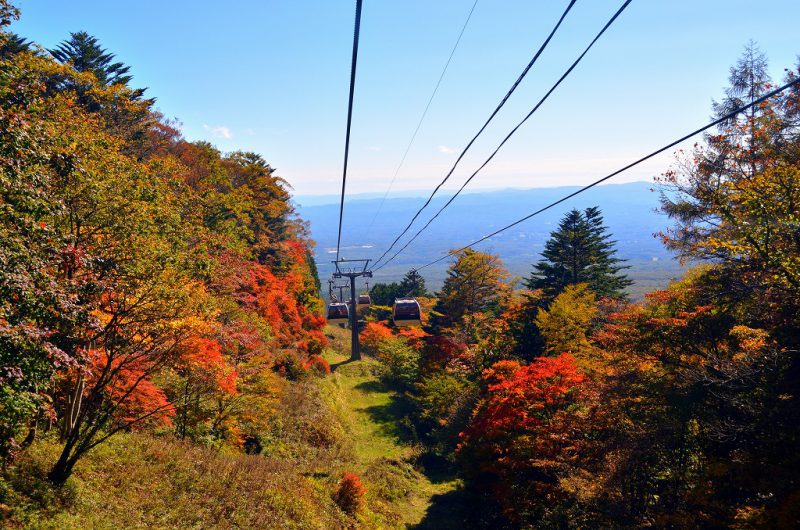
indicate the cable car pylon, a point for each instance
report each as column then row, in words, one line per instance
column 353, row 273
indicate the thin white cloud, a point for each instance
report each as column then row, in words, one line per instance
column 376, row 148
column 219, row 131
column 445, row 150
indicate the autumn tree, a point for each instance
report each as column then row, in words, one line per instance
column 580, row 251
column 141, row 276
column 474, row 284
column 565, row 324
column 530, row 435
column 735, row 202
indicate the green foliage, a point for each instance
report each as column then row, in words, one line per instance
column 384, row 294
column 400, row 362
column 580, row 251
column 413, row 284
column 84, row 53
column 11, row 43
column 436, row 397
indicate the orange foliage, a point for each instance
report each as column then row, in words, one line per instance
column 413, row 336
column 373, row 334
column 138, row 400
column 203, row 359
column 533, row 428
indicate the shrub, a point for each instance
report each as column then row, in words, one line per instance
column 317, row 365
column 290, row 367
column 349, row 495
column 374, row 333
column 436, row 398
column 400, row 362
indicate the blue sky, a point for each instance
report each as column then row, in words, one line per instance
column 272, row 77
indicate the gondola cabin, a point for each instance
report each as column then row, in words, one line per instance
column 406, row 312
column 338, row 313
column 364, row 300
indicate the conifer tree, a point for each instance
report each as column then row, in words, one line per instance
column 475, row 283
column 11, row 44
column 413, row 284
column 85, row 54
column 580, row 251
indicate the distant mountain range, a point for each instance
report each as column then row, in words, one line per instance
column 629, row 211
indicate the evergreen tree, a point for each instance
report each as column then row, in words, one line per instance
column 580, row 251
column 413, row 284
column 12, row 44
column 84, row 53
column 385, row 293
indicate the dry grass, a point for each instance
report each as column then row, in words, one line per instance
column 137, row 481
column 321, row 428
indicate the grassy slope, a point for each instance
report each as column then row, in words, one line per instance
column 371, row 413
column 345, row 422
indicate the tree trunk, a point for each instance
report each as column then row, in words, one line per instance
column 62, row 469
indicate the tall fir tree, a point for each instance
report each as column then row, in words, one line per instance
column 413, row 284
column 12, row 44
column 85, row 54
column 580, row 251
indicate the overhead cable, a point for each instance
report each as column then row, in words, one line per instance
column 514, row 130
column 480, row 131
column 419, row 123
column 718, row 121
column 349, row 120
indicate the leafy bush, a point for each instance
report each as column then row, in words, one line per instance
column 400, row 363
column 349, row 495
column 290, row 367
column 317, row 365
column 436, row 397
column 372, row 335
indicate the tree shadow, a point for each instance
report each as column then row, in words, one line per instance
column 372, row 387
column 460, row 509
column 393, row 420
column 334, row 366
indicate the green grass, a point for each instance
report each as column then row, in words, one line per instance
column 372, row 415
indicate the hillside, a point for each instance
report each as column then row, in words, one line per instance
column 348, row 421
column 628, row 209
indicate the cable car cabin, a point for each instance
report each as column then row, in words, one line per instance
column 338, row 313
column 406, row 312
column 364, row 300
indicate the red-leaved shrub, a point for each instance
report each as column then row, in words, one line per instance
column 317, row 365
column 349, row 495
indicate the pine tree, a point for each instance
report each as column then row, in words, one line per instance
column 84, row 53
column 580, row 251
column 12, row 44
column 413, row 284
